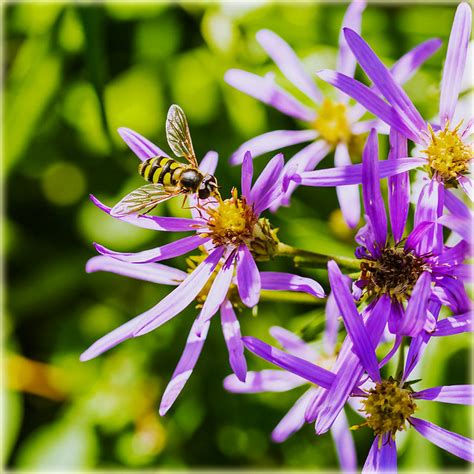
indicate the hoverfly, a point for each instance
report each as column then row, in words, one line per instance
column 169, row 177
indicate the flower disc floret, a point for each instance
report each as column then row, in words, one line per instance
column 394, row 273
column 332, row 123
column 388, row 406
column 448, row 156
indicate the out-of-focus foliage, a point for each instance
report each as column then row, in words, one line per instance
column 73, row 75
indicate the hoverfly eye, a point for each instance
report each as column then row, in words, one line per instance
column 204, row 193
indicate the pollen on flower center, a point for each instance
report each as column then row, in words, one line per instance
column 387, row 407
column 233, row 222
column 448, row 156
column 395, row 273
column 332, row 123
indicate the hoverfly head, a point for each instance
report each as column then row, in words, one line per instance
column 208, row 187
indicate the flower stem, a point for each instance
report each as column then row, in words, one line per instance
column 290, row 297
column 401, row 359
column 305, row 258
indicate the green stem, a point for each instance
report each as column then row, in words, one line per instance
column 290, row 297
column 401, row 359
column 305, row 258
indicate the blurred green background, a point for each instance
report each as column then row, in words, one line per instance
column 73, row 75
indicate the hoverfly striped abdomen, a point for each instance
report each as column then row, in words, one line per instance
column 161, row 170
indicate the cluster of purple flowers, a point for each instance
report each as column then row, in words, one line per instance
column 409, row 277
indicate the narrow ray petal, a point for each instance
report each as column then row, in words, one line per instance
column 264, row 381
column 184, row 369
column 265, row 90
column 348, row 196
column 288, row 63
column 344, row 443
column 457, row 394
column 247, row 174
column 248, row 277
column 271, row 141
column 385, row 82
column 382, row 456
column 142, row 147
column 153, row 272
column 167, row 224
column 233, row 339
column 455, row 61
column 454, row 325
column 293, row 344
column 370, row 101
column 171, row 250
column 363, row 346
column 398, row 187
column 454, row 443
column 289, row 282
column 297, row 366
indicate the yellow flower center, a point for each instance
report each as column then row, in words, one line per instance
column 395, row 273
column 233, row 222
column 387, row 407
column 332, row 123
column 448, row 156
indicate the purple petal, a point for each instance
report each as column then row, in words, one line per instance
column 294, row 420
column 209, row 163
column 454, row 443
column 418, row 345
column 344, row 443
column 233, row 339
column 181, row 297
column 346, row 62
column 153, row 272
column 293, row 344
column 398, row 187
column 467, row 185
column 371, row 193
column 454, row 325
column 383, row 459
column 386, row 84
column 272, row 141
column 289, row 282
column 268, row 186
column 429, row 207
column 417, row 235
column 455, row 205
column 332, row 324
column 167, row 224
column 142, row 147
column 247, row 174
column 348, row 196
column 346, row 175
column 363, row 346
column 452, row 293
column 408, row 64
column 455, row 62
column 218, row 291
column 457, row 394
column 184, row 369
column 461, row 225
column 348, row 367
column 306, row 159
column 288, row 63
column 415, row 314
column 369, row 100
column 263, row 381
column 265, row 90
column 297, row 366
column 248, row 277
column 397, row 314
column 171, row 250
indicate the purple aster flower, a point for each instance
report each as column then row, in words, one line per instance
column 280, row 381
column 445, row 149
column 410, row 271
column 232, row 236
column 387, row 404
column 330, row 125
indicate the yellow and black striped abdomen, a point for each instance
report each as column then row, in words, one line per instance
column 161, row 170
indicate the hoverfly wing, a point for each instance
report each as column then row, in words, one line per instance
column 142, row 200
column 178, row 136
